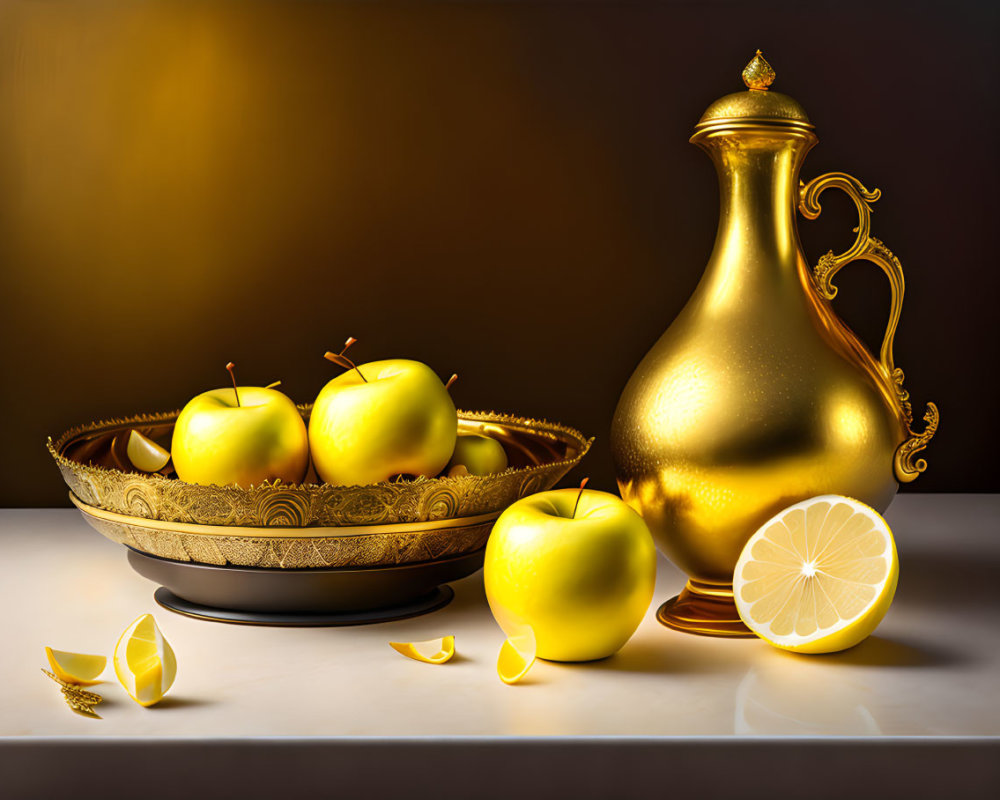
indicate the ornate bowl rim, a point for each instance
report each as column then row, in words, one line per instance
column 550, row 448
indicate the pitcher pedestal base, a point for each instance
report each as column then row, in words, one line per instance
column 704, row 609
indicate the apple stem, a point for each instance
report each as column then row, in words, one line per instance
column 343, row 361
column 583, row 483
column 232, row 374
column 451, row 380
column 272, row 385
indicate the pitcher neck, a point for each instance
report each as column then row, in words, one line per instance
column 757, row 238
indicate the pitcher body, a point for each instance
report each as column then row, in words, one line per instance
column 757, row 396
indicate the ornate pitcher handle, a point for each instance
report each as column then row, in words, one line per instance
column 869, row 248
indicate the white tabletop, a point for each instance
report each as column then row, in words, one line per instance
column 931, row 670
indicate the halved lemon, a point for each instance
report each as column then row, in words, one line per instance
column 818, row 577
column 78, row 668
column 431, row 651
column 517, row 654
column 144, row 661
column 145, row 454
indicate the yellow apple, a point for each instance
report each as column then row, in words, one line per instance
column 382, row 419
column 480, row 455
column 577, row 567
column 219, row 441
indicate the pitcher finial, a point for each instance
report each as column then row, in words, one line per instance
column 758, row 74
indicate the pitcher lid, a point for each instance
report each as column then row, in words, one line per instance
column 757, row 103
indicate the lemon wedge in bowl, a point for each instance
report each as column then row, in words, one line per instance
column 144, row 661
column 432, row 651
column 145, row 454
column 77, row 668
column 817, row 577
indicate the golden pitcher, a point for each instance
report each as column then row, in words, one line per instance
column 758, row 395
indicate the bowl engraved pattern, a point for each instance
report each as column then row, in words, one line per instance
column 311, row 522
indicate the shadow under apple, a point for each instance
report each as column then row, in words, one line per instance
column 678, row 654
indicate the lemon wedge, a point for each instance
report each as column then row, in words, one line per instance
column 145, row 454
column 83, row 670
column 818, row 577
column 432, row 651
column 144, row 661
column 517, row 654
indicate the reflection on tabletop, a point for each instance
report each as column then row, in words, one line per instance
column 778, row 699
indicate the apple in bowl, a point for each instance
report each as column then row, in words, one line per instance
column 381, row 419
column 476, row 454
column 244, row 436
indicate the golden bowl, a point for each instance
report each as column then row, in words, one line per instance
column 308, row 525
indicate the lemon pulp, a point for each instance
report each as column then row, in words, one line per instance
column 818, row 577
column 78, row 668
column 144, row 661
column 145, row 454
column 517, row 654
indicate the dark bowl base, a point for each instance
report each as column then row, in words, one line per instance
column 438, row 598
column 322, row 596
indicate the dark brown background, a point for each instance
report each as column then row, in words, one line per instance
column 504, row 190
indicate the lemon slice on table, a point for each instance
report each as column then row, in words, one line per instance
column 517, row 654
column 818, row 577
column 78, row 668
column 432, row 651
column 144, row 661
column 145, row 454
